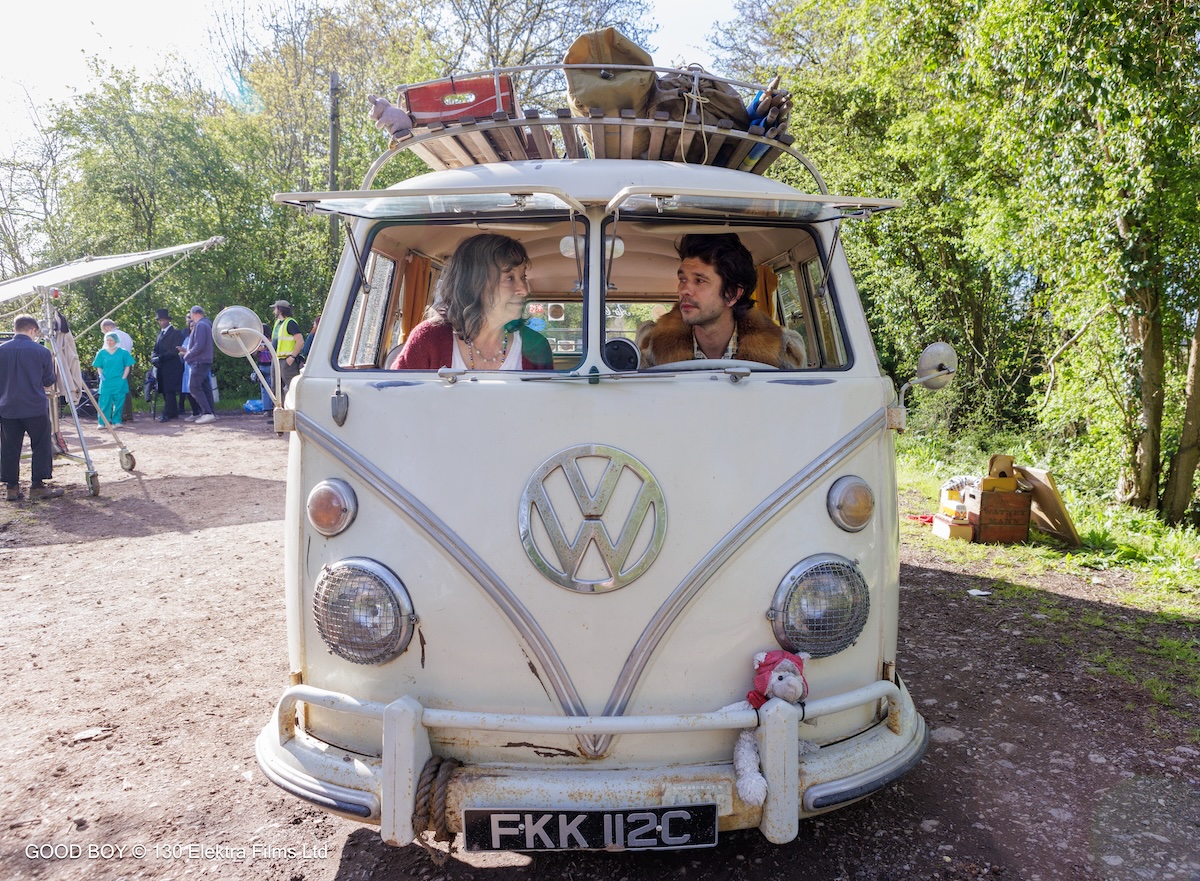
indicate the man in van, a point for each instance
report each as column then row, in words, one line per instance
column 288, row 341
column 715, row 316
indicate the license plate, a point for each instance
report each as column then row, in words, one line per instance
column 673, row 827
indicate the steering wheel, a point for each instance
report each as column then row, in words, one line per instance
column 708, row 364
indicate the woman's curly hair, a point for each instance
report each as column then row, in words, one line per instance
column 473, row 271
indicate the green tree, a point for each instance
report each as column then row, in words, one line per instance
column 1093, row 107
column 29, row 203
column 1046, row 153
column 880, row 119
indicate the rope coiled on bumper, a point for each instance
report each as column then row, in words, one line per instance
column 429, row 807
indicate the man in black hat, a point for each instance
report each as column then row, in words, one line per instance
column 167, row 366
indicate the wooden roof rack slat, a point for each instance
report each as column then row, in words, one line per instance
column 743, row 149
column 539, row 139
column 717, row 141
column 654, row 151
column 691, row 123
column 570, row 139
column 430, row 150
column 455, row 147
column 477, row 143
column 627, row 133
column 597, row 132
column 772, row 154
column 509, row 143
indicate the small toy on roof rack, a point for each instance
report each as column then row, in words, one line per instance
column 389, row 117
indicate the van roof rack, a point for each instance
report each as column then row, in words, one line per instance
column 474, row 119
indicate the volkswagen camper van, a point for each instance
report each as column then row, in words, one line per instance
column 524, row 605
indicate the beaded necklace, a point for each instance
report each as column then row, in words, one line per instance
column 472, row 352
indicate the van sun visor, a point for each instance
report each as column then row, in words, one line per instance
column 645, row 202
column 458, row 203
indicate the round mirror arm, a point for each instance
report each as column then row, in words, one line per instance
column 921, row 380
column 274, row 388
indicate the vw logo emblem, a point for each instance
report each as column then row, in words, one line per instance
column 599, row 491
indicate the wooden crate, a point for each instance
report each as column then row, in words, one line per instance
column 999, row 517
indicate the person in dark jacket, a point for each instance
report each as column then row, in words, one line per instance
column 199, row 355
column 26, row 371
column 168, row 369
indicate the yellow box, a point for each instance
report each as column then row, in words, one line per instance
column 998, row 484
column 947, row 527
column 951, row 499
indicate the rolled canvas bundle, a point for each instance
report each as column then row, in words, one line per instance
column 611, row 90
column 679, row 93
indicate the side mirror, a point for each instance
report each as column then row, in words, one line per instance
column 237, row 331
column 935, row 368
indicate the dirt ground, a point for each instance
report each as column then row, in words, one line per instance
column 144, row 649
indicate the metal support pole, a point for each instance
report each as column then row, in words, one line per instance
column 334, row 137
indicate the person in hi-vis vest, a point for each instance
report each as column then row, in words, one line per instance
column 288, row 340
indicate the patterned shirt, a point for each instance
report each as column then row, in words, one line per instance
column 730, row 349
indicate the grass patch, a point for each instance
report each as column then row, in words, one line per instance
column 1153, row 568
column 1162, row 562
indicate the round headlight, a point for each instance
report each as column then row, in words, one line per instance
column 363, row 611
column 821, row 606
column 332, row 506
column 850, row 503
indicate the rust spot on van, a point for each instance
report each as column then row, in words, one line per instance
column 544, row 752
column 534, row 670
column 421, row 637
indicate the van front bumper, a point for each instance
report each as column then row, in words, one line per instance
column 382, row 790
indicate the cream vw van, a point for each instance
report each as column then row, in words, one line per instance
column 524, row 605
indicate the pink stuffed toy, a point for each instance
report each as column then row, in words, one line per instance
column 776, row 674
column 388, row 117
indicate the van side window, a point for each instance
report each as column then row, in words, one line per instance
column 368, row 315
column 790, row 306
column 800, row 307
column 828, row 328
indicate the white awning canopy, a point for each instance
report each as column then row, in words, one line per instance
column 89, row 267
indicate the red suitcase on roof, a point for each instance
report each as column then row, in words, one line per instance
column 478, row 97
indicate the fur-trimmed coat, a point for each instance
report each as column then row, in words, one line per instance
column 758, row 339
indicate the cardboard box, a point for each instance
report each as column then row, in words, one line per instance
column 947, row 527
column 998, row 484
column 949, row 501
column 999, row 517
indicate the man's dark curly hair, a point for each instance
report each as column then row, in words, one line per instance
column 732, row 261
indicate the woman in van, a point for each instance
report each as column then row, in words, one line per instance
column 475, row 321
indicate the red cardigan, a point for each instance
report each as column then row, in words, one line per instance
column 431, row 345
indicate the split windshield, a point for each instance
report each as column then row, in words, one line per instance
column 453, row 294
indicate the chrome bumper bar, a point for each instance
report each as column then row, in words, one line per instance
column 383, row 790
